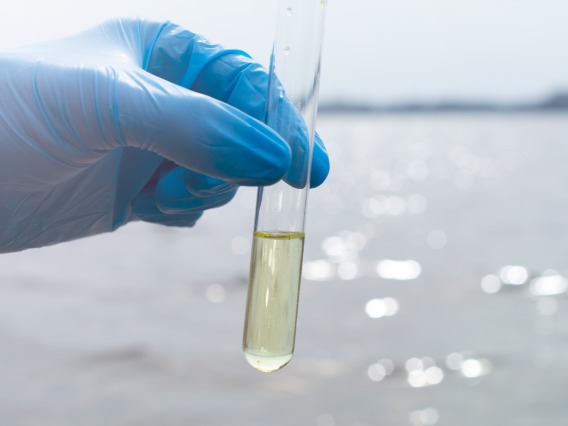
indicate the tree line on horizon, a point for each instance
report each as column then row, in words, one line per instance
column 555, row 102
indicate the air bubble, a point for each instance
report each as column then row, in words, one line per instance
column 287, row 50
column 289, row 11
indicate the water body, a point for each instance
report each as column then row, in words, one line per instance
column 434, row 293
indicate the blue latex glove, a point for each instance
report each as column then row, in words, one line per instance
column 131, row 120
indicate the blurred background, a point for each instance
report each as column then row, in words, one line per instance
column 435, row 273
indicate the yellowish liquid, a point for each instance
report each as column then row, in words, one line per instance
column 272, row 304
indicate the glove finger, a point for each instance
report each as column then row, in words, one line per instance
column 320, row 163
column 203, row 185
column 180, row 221
column 173, row 197
column 196, row 131
column 231, row 76
column 165, row 166
column 243, row 83
column 284, row 118
column 196, row 183
column 185, row 220
column 170, row 197
column 236, row 80
column 176, row 54
column 144, row 208
column 152, row 203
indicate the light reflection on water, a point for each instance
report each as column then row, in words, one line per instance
column 425, row 417
column 437, row 239
column 325, row 420
column 514, row 274
column 378, row 371
column 472, row 368
column 428, row 377
column 491, row 284
column 449, row 203
column 545, row 289
column 468, row 365
column 241, row 245
column 215, row 293
column 426, row 372
column 454, row 225
column 318, row 270
column 547, row 306
column 550, row 283
column 423, row 202
column 348, row 270
column 393, row 205
column 379, row 308
column 402, row 270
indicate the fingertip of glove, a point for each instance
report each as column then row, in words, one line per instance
column 268, row 160
column 279, row 161
column 320, row 163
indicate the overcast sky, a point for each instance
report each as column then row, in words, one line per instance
column 375, row 50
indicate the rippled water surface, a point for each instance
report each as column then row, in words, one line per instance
column 434, row 293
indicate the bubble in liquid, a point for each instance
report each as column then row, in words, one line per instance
column 287, row 50
column 289, row 11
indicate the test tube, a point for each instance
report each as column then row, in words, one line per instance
column 278, row 240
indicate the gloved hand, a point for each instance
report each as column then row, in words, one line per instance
column 131, row 120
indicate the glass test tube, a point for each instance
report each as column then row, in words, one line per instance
column 278, row 240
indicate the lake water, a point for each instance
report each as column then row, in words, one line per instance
column 434, row 293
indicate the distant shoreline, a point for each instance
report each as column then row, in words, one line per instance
column 555, row 103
